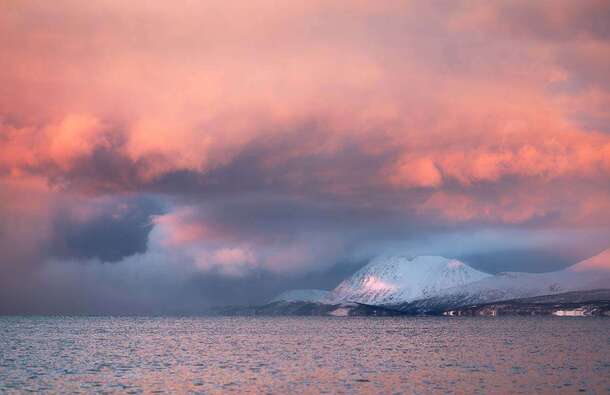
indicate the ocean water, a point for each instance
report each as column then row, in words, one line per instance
column 305, row 355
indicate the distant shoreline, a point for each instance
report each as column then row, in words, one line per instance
column 594, row 303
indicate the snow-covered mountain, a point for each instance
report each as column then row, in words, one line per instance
column 399, row 279
column 512, row 285
column 428, row 282
column 441, row 281
column 303, row 295
column 593, row 273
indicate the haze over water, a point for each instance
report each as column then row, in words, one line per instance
column 304, row 355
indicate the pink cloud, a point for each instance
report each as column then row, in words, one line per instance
column 418, row 106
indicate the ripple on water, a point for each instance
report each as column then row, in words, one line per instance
column 284, row 355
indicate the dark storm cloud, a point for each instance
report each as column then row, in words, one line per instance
column 264, row 165
column 118, row 228
column 105, row 169
column 120, row 289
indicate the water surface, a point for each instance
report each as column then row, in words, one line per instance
column 305, row 355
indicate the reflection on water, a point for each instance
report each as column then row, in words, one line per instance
column 305, row 355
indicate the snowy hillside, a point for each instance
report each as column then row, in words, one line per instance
column 302, row 295
column 398, row 279
column 590, row 274
column 434, row 281
column 505, row 286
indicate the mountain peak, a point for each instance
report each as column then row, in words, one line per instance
column 399, row 279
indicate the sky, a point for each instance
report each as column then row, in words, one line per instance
column 160, row 157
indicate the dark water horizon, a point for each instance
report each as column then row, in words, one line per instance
column 202, row 354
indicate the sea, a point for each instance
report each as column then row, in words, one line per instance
column 306, row 355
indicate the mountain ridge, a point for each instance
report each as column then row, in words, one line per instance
column 428, row 283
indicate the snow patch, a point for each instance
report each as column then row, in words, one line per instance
column 340, row 312
column 570, row 313
column 454, row 264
